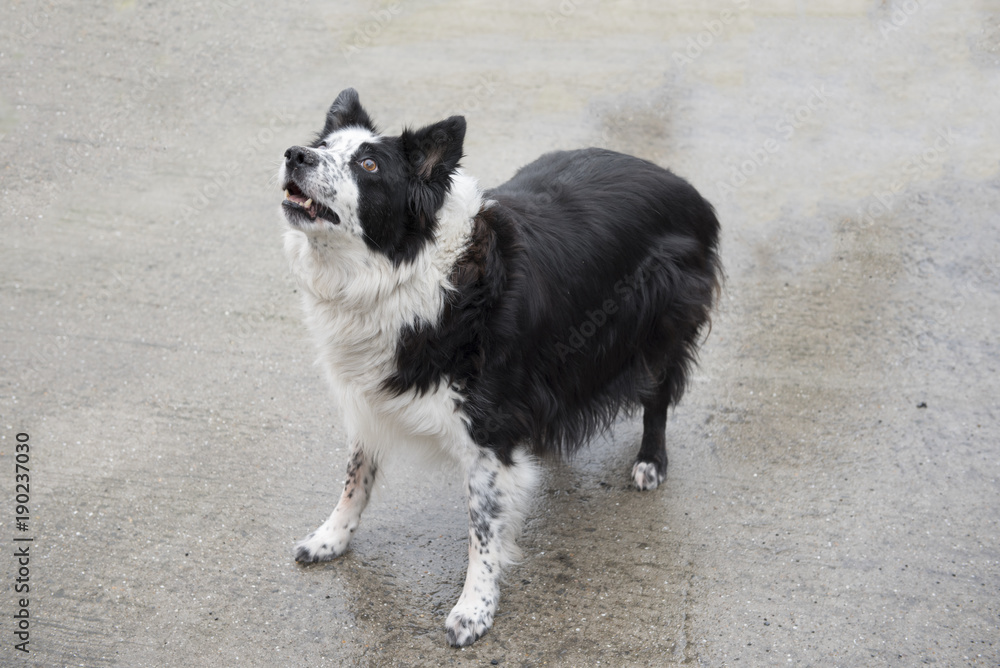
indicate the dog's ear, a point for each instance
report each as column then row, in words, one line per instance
column 346, row 110
column 434, row 151
column 433, row 154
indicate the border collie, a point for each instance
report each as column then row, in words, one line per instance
column 497, row 326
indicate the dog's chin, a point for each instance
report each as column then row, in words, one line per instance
column 299, row 216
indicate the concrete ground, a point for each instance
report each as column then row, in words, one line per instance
column 833, row 497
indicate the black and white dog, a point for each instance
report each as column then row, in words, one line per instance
column 496, row 325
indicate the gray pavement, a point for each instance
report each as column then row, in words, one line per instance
column 833, row 497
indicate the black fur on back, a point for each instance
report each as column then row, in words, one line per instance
column 587, row 284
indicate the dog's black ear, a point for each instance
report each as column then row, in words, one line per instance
column 347, row 110
column 433, row 153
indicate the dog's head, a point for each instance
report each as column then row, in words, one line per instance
column 384, row 190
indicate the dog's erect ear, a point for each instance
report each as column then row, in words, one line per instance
column 346, row 110
column 433, row 153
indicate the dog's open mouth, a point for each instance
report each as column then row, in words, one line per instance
column 297, row 204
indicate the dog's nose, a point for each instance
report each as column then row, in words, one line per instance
column 299, row 155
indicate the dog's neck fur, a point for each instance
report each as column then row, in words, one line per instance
column 356, row 300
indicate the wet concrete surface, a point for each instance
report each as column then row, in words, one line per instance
column 833, row 495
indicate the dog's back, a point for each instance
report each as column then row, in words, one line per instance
column 611, row 269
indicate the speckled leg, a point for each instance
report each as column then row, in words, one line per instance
column 330, row 540
column 498, row 497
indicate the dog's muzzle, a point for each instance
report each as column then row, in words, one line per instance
column 299, row 205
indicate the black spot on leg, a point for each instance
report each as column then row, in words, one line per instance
column 483, row 511
column 491, row 506
column 481, row 524
column 352, row 466
column 350, row 494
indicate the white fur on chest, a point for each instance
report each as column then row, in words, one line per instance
column 356, row 304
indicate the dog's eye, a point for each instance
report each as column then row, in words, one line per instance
column 369, row 165
column 322, row 144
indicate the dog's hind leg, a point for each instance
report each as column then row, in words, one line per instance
column 669, row 367
column 650, row 467
column 499, row 496
column 330, row 540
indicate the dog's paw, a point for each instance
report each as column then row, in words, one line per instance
column 646, row 476
column 320, row 545
column 467, row 623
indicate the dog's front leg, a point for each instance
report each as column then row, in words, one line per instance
column 498, row 498
column 330, row 540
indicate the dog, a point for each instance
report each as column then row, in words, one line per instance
column 497, row 326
